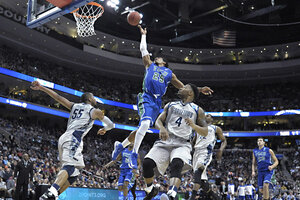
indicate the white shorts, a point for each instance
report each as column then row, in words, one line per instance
column 70, row 151
column 202, row 157
column 163, row 152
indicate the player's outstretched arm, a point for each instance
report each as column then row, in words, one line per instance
column 108, row 124
column 201, row 126
column 35, row 85
column 274, row 158
column 143, row 48
column 111, row 163
column 159, row 124
column 223, row 144
column 178, row 84
column 253, row 165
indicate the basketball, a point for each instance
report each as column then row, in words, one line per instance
column 134, row 18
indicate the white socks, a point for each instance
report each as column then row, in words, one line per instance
column 125, row 143
column 148, row 189
column 53, row 191
column 140, row 134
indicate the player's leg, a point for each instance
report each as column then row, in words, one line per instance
column 197, row 181
column 69, row 182
column 180, row 157
column 268, row 178
column 132, row 190
column 260, row 179
column 121, row 180
column 125, row 189
column 199, row 158
column 140, row 134
column 118, row 146
column 70, row 156
column 266, row 191
column 176, row 166
column 128, row 182
column 148, row 172
column 60, row 182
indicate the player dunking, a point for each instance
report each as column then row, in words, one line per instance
column 156, row 80
column 202, row 157
column 70, row 144
column 127, row 179
column 174, row 148
column 263, row 156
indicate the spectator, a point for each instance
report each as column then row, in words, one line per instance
column 23, row 171
column 7, row 173
column 3, row 189
column 11, row 186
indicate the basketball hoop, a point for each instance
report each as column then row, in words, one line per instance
column 85, row 17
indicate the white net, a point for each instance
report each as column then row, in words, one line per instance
column 85, row 17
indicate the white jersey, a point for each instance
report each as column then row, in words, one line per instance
column 80, row 119
column 177, row 112
column 249, row 189
column 208, row 141
column 70, row 144
column 231, row 188
column 241, row 190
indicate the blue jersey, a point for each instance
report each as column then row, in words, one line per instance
column 126, row 155
column 156, row 80
column 263, row 158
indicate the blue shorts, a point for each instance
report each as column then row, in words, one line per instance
column 242, row 197
column 126, row 175
column 148, row 107
column 265, row 177
column 249, row 197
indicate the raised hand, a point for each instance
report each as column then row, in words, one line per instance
column 206, row 90
column 143, row 31
column 35, row 85
column 101, row 131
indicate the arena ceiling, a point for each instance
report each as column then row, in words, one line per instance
column 198, row 23
column 194, row 23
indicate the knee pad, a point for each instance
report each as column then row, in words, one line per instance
column 197, row 176
column 69, row 168
column 176, row 167
column 72, row 179
column 204, row 185
column 148, row 168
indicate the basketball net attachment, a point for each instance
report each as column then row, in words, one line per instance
column 85, row 17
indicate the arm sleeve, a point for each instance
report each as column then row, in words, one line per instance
column 143, row 46
column 108, row 124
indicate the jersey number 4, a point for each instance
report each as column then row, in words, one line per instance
column 178, row 121
column 77, row 113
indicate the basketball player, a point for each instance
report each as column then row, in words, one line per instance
column 70, row 144
column 156, row 80
column 265, row 169
column 249, row 191
column 174, row 147
column 126, row 180
column 241, row 191
column 203, row 155
column 231, row 190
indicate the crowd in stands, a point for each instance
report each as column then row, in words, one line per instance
column 17, row 138
column 255, row 98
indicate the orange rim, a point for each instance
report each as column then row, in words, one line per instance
column 92, row 4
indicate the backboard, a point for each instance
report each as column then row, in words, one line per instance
column 40, row 12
